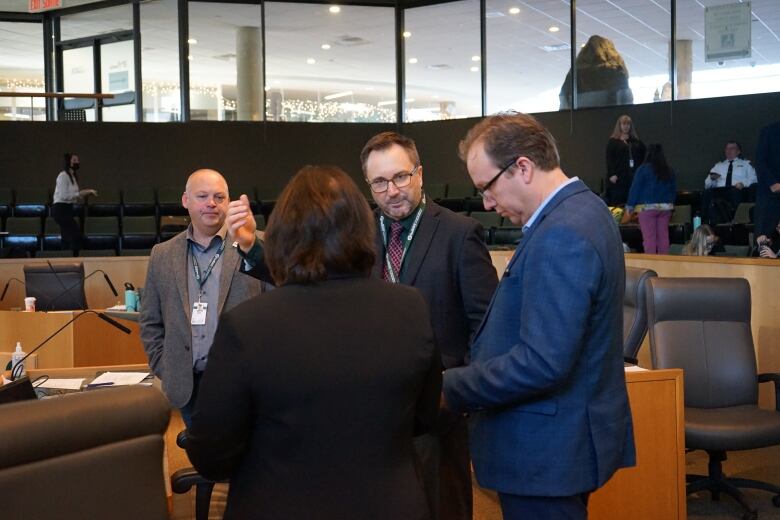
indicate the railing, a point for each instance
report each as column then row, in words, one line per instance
column 54, row 95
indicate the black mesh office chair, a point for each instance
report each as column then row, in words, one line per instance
column 702, row 325
column 635, row 311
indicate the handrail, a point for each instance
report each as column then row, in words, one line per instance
column 56, row 95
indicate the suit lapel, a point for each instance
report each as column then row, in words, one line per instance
column 420, row 244
column 181, row 251
column 230, row 260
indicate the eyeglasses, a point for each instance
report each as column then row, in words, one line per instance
column 494, row 179
column 399, row 180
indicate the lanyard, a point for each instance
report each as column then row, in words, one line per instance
column 196, row 267
column 394, row 277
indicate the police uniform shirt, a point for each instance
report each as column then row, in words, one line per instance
column 743, row 172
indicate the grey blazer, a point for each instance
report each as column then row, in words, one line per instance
column 165, row 316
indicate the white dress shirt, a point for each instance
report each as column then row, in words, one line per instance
column 66, row 190
column 743, row 172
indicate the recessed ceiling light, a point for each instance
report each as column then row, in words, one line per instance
column 583, row 45
column 412, row 60
column 474, row 69
column 325, row 46
column 554, row 28
column 514, row 10
column 475, row 58
column 311, row 61
column 334, row 9
column 407, row 34
column 192, row 41
column 190, row 57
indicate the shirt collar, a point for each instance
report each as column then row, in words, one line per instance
column 216, row 239
column 544, row 203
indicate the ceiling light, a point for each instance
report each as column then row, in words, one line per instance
column 334, row 9
column 514, row 10
column 311, row 61
column 554, row 29
column 474, row 69
column 475, row 58
column 412, row 60
column 407, row 34
column 192, row 41
column 190, row 57
column 338, row 95
column 325, row 46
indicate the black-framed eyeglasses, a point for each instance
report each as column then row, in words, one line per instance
column 487, row 186
column 399, row 180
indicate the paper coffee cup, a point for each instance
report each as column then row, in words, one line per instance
column 29, row 304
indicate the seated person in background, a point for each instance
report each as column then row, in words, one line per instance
column 769, row 246
column 726, row 181
column 703, row 242
column 313, row 391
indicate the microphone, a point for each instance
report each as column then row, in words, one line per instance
column 68, row 289
column 17, row 370
column 5, row 289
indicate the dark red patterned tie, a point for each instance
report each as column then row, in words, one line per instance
column 395, row 250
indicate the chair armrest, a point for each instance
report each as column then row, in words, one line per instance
column 181, row 439
column 184, row 479
column 772, row 377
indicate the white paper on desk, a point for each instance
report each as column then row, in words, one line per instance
column 62, row 384
column 635, row 368
column 120, row 378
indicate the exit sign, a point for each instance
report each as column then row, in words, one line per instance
column 43, row 5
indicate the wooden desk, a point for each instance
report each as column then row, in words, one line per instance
column 655, row 487
column 89, row 341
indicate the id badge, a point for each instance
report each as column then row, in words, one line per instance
column 199, row 313
column 630, row 163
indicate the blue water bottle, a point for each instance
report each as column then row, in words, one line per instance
column 696, row 221
column 131, row 298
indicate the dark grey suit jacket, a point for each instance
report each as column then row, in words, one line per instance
column 165, row 314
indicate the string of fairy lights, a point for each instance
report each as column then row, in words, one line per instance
column 286, row 110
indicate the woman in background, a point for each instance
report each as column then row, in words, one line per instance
column 313, row 390
column 625, row 152
column 652, row 194
column 702, row 242
column 66, row 194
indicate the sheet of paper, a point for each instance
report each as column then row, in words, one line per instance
column 119, row 378
column 62, row 384
column 635, row 368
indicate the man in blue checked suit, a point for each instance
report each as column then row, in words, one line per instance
column 545, row 388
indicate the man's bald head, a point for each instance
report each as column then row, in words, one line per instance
column 206, row 198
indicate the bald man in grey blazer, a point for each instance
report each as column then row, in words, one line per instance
column 191, row 279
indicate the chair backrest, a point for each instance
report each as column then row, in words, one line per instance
column 635, row 310
column 681, row 215
column 702, row 325
column 56, row 287
column 742, row 215
column 85, row 455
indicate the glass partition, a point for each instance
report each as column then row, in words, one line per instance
column 329, row 63
column 160, row 61
column 442, row 49
column 21, row 70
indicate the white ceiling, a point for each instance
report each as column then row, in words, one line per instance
column 444, row 39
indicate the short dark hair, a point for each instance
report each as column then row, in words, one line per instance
column 509, row 135
column 384, row 141
column 321, row 224
column 739, row 146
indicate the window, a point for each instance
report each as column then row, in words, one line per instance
column 442, row 47
column 21, row 70
column 528, row 55
column 226, row 62
column 622, row 52
column 757, row 72
column 94, row 23
column 160, row 61
column 330, row 63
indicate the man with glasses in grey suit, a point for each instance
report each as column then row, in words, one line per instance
column 191, row 279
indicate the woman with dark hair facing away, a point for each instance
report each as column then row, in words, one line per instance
column 652, row 194
column 67, row 193
column 625, row 153
column 314, row 390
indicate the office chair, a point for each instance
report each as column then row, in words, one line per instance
column 635, row 311
column 702, row 325
column 184, row 479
